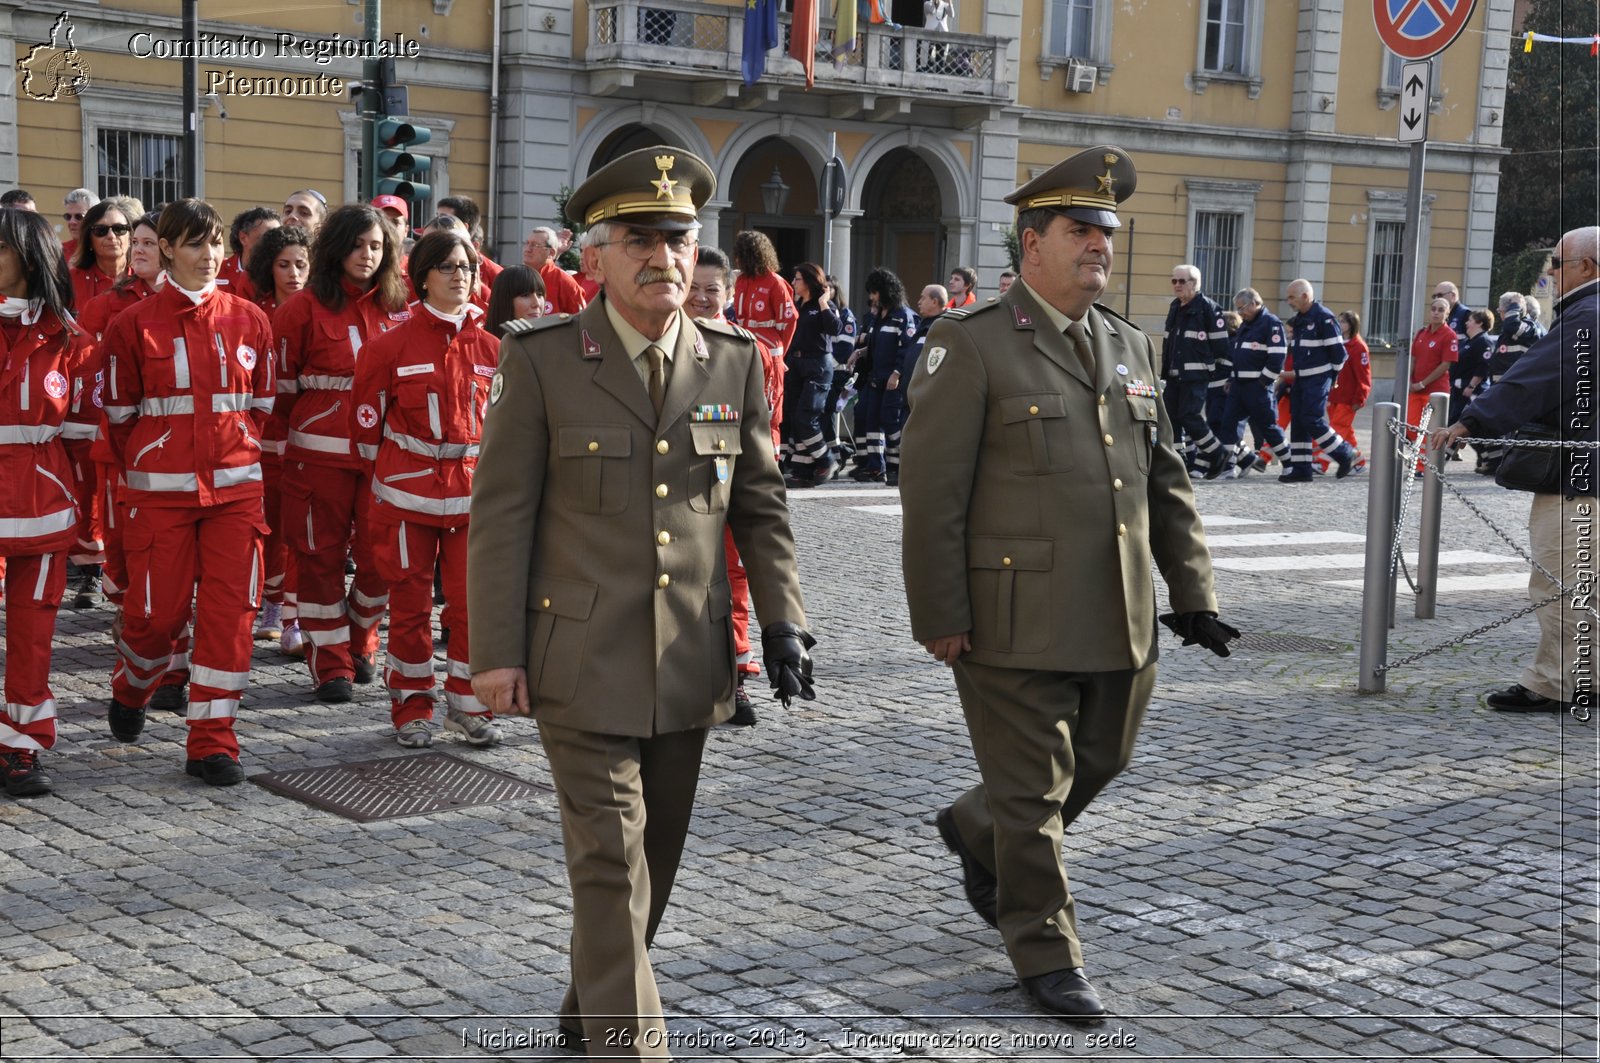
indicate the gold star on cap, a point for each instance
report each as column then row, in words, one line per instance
column 665, row 186
column 660, row 187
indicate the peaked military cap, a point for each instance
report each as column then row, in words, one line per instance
column 1088, row 186
column 654, row 188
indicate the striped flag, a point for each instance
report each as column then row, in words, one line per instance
column 803, row 37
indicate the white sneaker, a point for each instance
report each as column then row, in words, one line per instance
column 418, row 734
column 477, row 730
column 269, row 622
column 293, row 641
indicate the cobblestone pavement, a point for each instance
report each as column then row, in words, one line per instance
column 1287, row 870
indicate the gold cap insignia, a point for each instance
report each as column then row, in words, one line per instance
column 664, row 187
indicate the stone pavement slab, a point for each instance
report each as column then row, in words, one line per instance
column 1287, row 869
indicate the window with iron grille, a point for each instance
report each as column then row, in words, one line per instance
column 1216, row 252
column 1225, row 36
column 1072, row 28
column 146, row 165
column 1383, row 285
column 1391, row 70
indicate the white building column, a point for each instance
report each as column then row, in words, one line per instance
column 842, row 226
column 9, row 164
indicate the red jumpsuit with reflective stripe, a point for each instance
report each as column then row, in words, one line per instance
column 38, row 518
column 738, row 582
column 88, row 389
column 188, row 387
column 280, row 586
column 421, row 391
column 765, row 306
column 325, row 498
column 561, row 293
column 83, row 418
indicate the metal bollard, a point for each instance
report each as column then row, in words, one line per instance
column 1432, row 507
column 1376, row 593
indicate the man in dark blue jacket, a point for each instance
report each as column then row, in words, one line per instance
column 1259, row 349
column 1554, row 385
column 1319, row 354
column 1196, row 341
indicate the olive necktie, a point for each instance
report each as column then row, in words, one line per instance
column 656, row 358
column 1078, row 337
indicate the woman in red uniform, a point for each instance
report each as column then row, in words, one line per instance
column 354, row 294
column 144, row 259
column 102, row 261
column 278, row 265
column 38, row 515
column 421, row 391
column 188, row 386
column 1434, row 352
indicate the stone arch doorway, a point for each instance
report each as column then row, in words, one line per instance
column 775, row 191
column 900, row 227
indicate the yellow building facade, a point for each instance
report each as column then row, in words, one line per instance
column 1264, row 130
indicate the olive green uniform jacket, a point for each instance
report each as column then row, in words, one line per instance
column 595, row 554
column 1034, row 499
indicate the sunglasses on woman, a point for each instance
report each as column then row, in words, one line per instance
column 107, row 230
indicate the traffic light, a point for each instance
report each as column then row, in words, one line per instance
column 397, row 163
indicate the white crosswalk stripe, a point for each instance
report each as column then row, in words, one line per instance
column 1509, row 572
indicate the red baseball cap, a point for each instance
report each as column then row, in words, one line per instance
column 379, row 202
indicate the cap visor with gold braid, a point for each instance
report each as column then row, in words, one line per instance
column 654, row 188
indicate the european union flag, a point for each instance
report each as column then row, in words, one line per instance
column 760, row 37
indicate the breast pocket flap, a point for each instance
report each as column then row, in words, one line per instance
column 1027, row 555
column 719, row 437
column 1032, row 407
column 594, row 440
column 570, row 598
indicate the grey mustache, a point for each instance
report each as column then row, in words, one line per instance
column 670, row 275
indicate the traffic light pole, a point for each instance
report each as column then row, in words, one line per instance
column 369, row 120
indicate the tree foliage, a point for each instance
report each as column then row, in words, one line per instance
column 1550, row 182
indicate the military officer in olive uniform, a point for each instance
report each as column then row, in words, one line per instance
column 617, row 445
column 1039, row 479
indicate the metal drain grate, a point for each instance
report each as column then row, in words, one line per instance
column 399, row 786
column 1288, row 644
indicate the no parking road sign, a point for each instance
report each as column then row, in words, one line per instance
column 1417, row 29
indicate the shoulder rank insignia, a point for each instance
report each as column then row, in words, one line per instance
column 935, row 359
column 523, row 326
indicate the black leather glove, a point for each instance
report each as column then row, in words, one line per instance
column 1203, row 628
column 783, row 648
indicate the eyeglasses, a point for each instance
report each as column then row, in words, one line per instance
column 72, row 217
column 107, row 230
column 1180, row 281
column 450, row 269
column 1555, row 261
column 643, row 245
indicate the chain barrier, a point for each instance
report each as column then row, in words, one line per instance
column 1409, row 454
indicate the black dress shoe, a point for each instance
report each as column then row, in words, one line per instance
column 1519, row 698
column 172, row 697
column 979, row 882
column 127, row 722
column 366, row 667
column 218, row 769
column 744, row 713
column 335, row 691
column 1066, row 993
